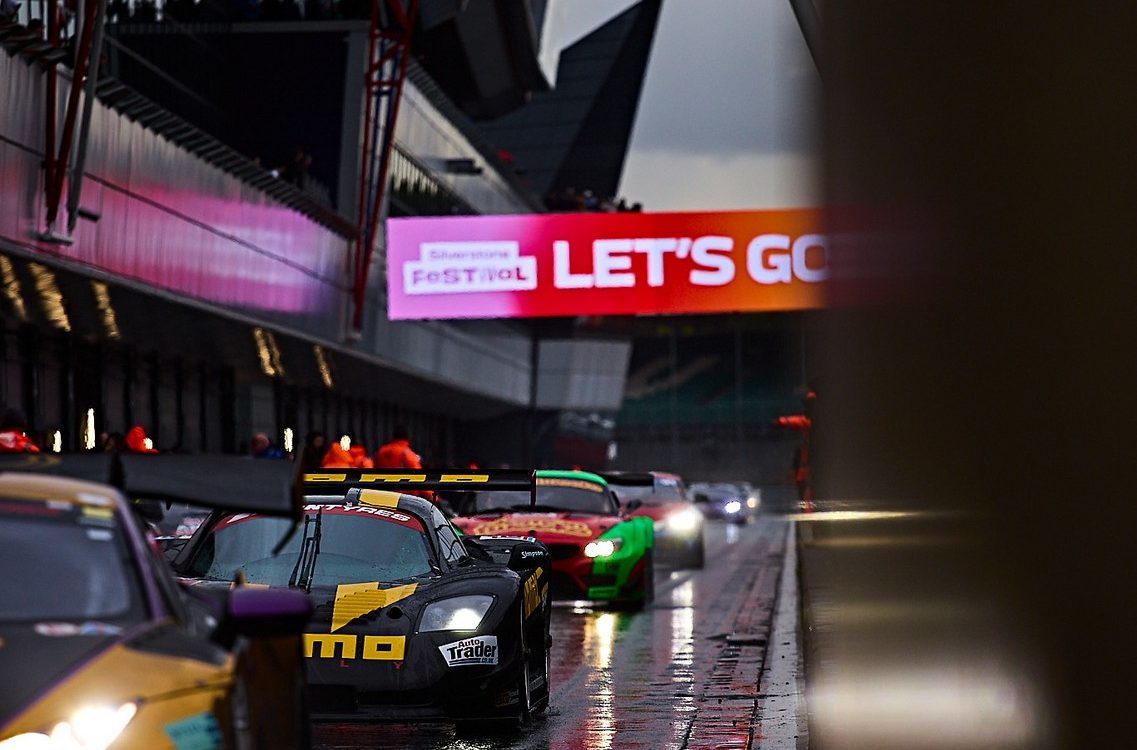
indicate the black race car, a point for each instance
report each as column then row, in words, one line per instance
column 412, row 621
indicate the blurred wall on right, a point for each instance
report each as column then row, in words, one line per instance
column 978, row 354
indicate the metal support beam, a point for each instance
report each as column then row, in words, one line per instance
column 57, row 165
column 389, row 48
column 75, row 185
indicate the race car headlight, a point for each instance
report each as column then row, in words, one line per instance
column 684, row 520
column 456, row 613
column 92, row 728
column 602, row 547
column 732, row 507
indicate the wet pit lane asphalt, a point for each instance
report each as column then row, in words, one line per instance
column 667, row 677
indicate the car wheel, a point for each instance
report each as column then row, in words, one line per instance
column 698, row 557
column 524, row 692
column 649, row 579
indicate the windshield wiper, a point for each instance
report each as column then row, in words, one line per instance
column 305, row 567
column 303, row 550
column 317, row 534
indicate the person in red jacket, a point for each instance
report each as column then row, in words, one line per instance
column 397, row 454
column 136, row 441
column 337, row 458
column 359, row 457
column 13, row 436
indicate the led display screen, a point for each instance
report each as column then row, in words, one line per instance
column 604, row 264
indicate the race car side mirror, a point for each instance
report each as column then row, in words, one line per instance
column 632, row 505
column 526, row 556
column 256, row 612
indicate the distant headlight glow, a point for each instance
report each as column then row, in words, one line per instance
column 456, row 613
column 602, row 547
column 732, row 507
column 752, row 502
column 685, row 520
column 91, row 728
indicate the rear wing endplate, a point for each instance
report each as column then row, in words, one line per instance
column 339, row 481
column 628, row 478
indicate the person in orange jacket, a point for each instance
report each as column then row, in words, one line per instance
column 359, row 457
column 397, row 454
column 13, row 435
column 337, row 458
column 136, row 441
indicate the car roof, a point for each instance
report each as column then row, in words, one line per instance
column 586, row 476
column 45, row 487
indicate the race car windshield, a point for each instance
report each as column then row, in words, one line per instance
column 573, row 496
column 659, row 494
column 353, row 548
column 64, row 562
column 717, row 491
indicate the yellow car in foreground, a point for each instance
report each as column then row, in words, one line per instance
column 101, row 648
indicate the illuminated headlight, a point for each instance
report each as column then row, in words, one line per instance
column 684, row 520
column 93, row 728
column 751, row 502
column 456, row 613
column 732, row 507
column 602, row 547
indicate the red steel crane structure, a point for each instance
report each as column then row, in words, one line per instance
column 389, row 50
column 89, row 22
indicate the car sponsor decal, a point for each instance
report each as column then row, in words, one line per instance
column 366, row 478
column 379, row 498
column 532, row 593
column 348, row 646
column 506, row 525
column 480, row 649
column 509, row 537
column 197, row 732
column 358, row 599
column 576, row 484
column 67, row 629
column 385, row 514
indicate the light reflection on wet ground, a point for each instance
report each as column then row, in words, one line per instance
column 624, row 680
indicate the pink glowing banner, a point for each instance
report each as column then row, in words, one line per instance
column 604, row 264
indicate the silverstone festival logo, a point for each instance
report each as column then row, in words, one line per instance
column 456, row 267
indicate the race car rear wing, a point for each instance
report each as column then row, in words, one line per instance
column 337, row 481
column 629, row 478
column 230, row 483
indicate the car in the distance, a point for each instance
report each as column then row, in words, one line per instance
column 663, row 498
column 736, row 503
